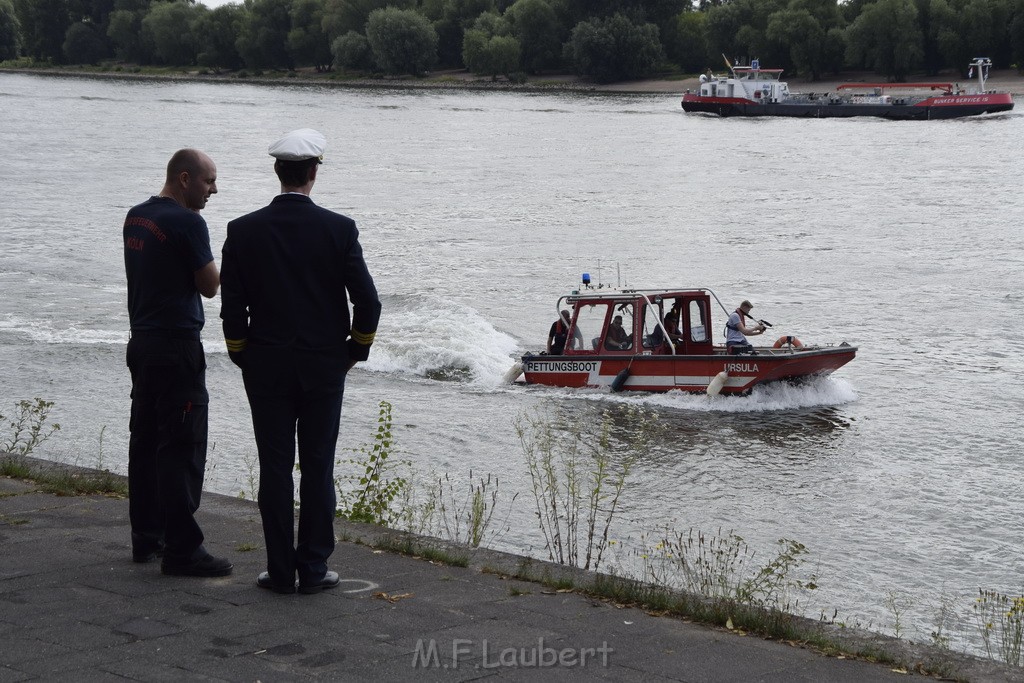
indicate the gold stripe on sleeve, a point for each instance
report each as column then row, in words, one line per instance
column 363, row 338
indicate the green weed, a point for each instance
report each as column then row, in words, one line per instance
column 28, row 428
column 371, row 496
column 1001, row 622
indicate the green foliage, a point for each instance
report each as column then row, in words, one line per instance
column 887, row 38
column 263, row 38
column 686, row 42
column 1000, row 619
column 27, row 425
column 536, row 27
column 342, row 16
column 170, row 26
column 739, row 29
column 307, row 40
column 402, row 41
column 131, row 43
column 577, row 477
column 10, row 32
column 804, row 37
column 612, row 39
column 490, row 56
column 614, row 49
column 352, row 51
column 215, row 33
column 84, row 45
column 371, row 496
column 44, row 25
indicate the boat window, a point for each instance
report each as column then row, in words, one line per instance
column 619, row 335
column 652, row 334
column 590, row 322
column 698, row 321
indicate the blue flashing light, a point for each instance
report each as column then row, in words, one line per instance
column 586, row 279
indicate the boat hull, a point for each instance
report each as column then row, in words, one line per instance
column 659, row 373
column 933, row 108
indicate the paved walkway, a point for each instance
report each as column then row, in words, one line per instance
column 74, row 607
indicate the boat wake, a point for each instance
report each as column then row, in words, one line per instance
column 440, row 340
column 46, row 332
column 818, row 392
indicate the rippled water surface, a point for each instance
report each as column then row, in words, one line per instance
column 901, row 474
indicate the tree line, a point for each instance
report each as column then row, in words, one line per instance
column 607, row 40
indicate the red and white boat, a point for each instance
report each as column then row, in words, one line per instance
column 644, row 361
column 753, row 91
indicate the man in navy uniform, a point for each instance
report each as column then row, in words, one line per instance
column 285, row 272
column 169, row 264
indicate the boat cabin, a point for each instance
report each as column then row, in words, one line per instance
column 747, row 82
column 638, row 322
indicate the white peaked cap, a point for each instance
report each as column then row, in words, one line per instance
column 304, row 143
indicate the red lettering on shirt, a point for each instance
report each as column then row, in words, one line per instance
column 134, row 243
column 148, row 225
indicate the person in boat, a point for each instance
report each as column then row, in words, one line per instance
column 559, row 333
column 736, row 330
column 617, row 337
column 672, row 324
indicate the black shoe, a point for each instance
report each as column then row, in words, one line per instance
column 264, row 581
column 144, row 556
column 330, row 580
column 205, row 566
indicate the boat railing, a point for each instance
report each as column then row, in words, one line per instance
column 895, row 86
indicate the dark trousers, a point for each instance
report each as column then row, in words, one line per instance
column 167, row 447
column 284, row 406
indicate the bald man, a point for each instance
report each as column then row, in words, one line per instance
column 169, row 264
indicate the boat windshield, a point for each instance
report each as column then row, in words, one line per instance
column 653, row 337
column 619, row 335
column 698, row 321
column 606, row 326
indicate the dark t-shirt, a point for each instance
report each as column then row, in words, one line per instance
column 164, row 245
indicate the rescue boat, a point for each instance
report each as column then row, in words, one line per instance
column 753, row 91
column 657, row 356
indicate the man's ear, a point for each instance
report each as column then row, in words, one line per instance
column 312, row 172
column 183, row 178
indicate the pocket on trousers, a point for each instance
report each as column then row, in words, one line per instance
column 189, row 418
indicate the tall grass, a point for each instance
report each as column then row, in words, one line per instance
column 578, row 472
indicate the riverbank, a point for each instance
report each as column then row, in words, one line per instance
column 1007, row 80
column 77, row 606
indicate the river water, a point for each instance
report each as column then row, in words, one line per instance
column 901, row 473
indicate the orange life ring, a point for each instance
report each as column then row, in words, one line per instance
column 789, row 340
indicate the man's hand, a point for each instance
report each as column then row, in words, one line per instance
column 238, row 358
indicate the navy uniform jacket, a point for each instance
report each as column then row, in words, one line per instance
column 287, row 273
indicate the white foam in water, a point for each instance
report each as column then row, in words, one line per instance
column 44, row 331
column 428, row 337
column 823, row 391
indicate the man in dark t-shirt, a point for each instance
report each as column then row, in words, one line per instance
column 169, row 264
